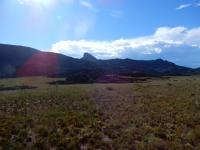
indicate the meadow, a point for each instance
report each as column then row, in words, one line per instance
column 156, row 114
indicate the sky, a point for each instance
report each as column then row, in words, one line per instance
column 136, row 29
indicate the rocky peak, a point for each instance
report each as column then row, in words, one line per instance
column 88, row 57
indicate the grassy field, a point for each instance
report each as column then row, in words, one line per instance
column 158, row 114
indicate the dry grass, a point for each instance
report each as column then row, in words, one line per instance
column 157, row 114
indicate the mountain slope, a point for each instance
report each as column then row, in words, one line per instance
column 25, row 61
column 151, row 67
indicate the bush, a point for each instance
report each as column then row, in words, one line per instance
column 82, row 76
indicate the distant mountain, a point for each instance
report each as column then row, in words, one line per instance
column 24, row 61
column 148, row 67
column 197, row 70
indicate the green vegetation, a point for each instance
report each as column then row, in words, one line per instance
column 83, row 76
column 158, row 114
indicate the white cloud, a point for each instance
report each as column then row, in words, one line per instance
column 182, row 6
column 88, row 5
column 164, row 37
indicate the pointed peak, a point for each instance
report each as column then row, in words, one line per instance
column 88, row 57
column 159, row 59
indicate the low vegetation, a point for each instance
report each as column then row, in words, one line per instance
column 162, row 114
column 21, row 87
column 83, row 76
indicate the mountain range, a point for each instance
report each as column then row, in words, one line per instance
column 19, row 61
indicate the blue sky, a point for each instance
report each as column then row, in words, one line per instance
column 137, row 29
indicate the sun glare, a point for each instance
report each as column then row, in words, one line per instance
column 37, row 2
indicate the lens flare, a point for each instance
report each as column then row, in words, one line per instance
column 40, row 63
column 38, row 2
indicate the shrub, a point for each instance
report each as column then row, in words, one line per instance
column 82, row 76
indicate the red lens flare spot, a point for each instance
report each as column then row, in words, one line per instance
column 40, row 63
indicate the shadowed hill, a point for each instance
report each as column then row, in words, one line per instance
column 25, row 61
column 150, row 67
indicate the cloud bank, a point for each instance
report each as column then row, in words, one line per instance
column 163, row 38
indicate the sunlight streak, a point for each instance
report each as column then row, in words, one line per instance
column 37, row 2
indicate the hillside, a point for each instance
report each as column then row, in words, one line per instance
column 152, row 67
column 133, row 67
column 24, row 61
